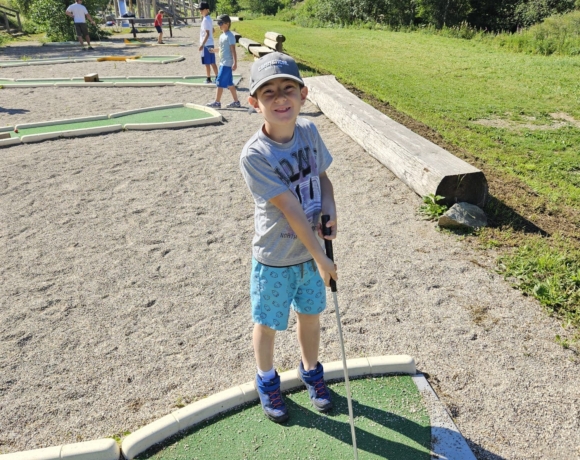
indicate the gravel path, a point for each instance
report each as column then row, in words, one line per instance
column 124, row 266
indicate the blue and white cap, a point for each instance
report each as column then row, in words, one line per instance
column 273, row 65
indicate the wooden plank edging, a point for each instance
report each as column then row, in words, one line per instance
column 422, row 165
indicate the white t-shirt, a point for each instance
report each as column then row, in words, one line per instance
column 79, row 11
column 206, row 24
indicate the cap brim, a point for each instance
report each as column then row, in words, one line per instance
column 257, row 85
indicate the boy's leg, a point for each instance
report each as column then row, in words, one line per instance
column 271, row 294
column 234, row 93
column 215, row 70
column 308, row 328
column 309, row 302
column 218, row 94
column 263, row 339
column 207, row 70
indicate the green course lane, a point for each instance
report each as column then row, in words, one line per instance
column 196, row 80
column 151, row 116
column 390, row 418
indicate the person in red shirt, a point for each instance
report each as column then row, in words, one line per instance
column 158, row 22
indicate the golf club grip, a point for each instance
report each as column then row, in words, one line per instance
column 328, row 246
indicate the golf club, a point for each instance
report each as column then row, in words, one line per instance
column 330, row 255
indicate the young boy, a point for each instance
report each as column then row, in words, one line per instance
column 228, row 63
column 284, row 165
column 206, row 41
column 158, row 26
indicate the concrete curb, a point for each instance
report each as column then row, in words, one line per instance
column 184, row 418
column 101, row 449
column 446, row 440
column 447, row 443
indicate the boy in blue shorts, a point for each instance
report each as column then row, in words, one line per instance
column 206, row 42
column 284, row 165
column 228, row 63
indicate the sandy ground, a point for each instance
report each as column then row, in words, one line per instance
column 124, row 266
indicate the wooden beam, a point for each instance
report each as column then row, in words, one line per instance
column 272, row 44
column 425, row 167
column 260, row 51
column 247, row 43
column 275, row 36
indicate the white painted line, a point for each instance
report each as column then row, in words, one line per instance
column 447, row 443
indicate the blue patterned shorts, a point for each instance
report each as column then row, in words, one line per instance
column 273, row 290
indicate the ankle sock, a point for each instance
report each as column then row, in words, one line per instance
column 267, row 375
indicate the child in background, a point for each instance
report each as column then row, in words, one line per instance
column 228, row 63
column 158, row 26
column 206, row 42
column 284, row 165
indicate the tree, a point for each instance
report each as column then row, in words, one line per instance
column 50, row 15
column 444, row 12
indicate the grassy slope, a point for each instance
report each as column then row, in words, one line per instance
column 446, row 83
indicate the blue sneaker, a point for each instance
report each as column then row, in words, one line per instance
column 317, row 390
column 215, row 105
column 271, row 399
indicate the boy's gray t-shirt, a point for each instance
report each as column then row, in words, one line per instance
column 226, row 57
column 269, row 169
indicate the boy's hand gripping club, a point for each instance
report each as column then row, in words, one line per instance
column 328, row 247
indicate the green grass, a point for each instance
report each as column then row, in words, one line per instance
column 448, row 84
column 491, row 106
column 390, row 419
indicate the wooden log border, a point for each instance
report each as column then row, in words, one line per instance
column 423, row 166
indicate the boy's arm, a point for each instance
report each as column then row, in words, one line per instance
column 328, row 206
column 235, row 56
column 202, row 44
column 292, row 210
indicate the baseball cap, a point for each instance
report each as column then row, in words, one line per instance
column 273, row 65
column 204, row 6
column 224, row 18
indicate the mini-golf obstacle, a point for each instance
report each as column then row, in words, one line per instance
column 136, row 81
column 160, row 117
column 137, row 59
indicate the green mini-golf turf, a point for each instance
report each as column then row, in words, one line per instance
column 390, row 418
column 152, row 116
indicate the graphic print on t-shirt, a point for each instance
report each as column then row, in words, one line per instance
column 301, row 177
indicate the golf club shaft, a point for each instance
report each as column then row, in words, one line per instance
column 346, row 380
column 330, row 254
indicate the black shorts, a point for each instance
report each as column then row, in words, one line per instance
column 82, row 29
